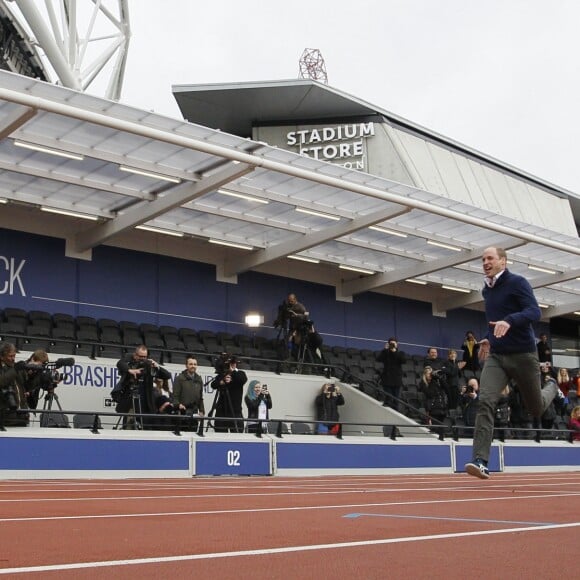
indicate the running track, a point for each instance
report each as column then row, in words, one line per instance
column 433, row 526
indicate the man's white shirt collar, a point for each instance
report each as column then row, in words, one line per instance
column 490, row 282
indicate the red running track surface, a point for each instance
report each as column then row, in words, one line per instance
column 407, row 526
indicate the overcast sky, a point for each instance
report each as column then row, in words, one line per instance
column 501, row 76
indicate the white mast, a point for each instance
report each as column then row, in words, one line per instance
column 80, row 40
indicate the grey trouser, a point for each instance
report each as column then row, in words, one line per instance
column 524, row 369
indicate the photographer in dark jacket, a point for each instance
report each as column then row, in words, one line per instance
column 327, row 403
column 290, row 313
column 393, row 360
column 135, row 389
column 229, row 383
column 292, row 320
column 436, row 398
column 469, row 402
column 452, row 370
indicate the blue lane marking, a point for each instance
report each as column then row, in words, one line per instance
column 358, row 515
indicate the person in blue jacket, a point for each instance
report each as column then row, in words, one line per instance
column 509, row 351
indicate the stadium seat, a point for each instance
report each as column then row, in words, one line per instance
column 35, row 316
column 86, row 321
column 60, row 320
column 58, row 347
column 87, row 334
column 63, row 332
column 86, row 422
column 111, row 335
column 132, row 337
column 147, row 327
column 114, row 352
column 166, row 330
column 107, row 323
column 173, row 342
column 153, row 339
column 14, row 313
column 300, row 429
column 30, row 345
column 128, row 325
column 40, row 327
column 14, row 326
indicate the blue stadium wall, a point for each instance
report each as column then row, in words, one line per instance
column 142, row 287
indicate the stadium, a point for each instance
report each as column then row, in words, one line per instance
column 121, row 227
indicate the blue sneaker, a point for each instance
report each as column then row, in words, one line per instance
column 477, row 468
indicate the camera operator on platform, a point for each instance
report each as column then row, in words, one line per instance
column 393, row 360
column 292, row 316
column 136, row 384
column 188, row 390
column 229, row 383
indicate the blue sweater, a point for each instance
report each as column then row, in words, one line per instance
column 512, row 299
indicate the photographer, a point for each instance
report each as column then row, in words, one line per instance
column 452, row 371
column 469, row 402
column 393, row 360
column 327, row 403
column 290, row 313
column 12, row 393
column 292, row 319
column 188, row 391
column 259, row 402
column 436, row 397
column 134, row 391
column 228, row 383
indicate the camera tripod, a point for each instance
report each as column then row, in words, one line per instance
column 45, row 420
column 134, row 416
column 283, row 342
column 217, row 399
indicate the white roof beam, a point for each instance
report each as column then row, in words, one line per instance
column 284, row 168
column 244, row 263
column 541, row 282
column 356, row 286
column 15, row 120
column 561, row 310
column 173, row 198
column 69, row 179
column 105, row 156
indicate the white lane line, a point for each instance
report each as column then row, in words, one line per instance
column 233, row 481
column 277, row 509
column 25, row 486
column 487, row 489
column 270, row 551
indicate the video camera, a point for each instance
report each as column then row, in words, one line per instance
column 285, row 313
column 223, row 362
column 305, row 325
column 172, row 409
column 47, row 374
column 440, row 375
column 44, row 377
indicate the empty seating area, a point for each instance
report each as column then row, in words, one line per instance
column 63, row 334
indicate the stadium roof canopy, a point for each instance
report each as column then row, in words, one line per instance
column 196, row 188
